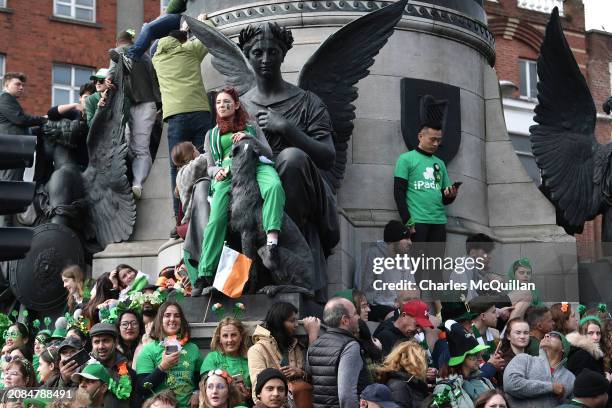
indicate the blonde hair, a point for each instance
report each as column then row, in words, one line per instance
column 75, row 273
column 215, row 343
column 407, row 356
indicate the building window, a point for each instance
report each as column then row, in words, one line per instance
column 84, row 10
column 529, row 79
column 2, row 3
column 163, row 5
column 66, row 82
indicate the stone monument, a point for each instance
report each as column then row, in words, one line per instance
column 433, row 41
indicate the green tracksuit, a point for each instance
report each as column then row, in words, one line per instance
column 271, row 191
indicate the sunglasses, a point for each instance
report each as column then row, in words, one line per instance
column 99, row 81
column 221, row 373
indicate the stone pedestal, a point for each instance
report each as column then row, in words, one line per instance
column 448, row 44
column 256, row 306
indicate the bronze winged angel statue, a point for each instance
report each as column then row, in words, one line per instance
column 97, row 201
column 575, row 168
column 307, row 126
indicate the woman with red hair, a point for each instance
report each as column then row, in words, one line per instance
column 232, row 126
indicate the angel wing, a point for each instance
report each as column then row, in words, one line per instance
column 228, row 59
column 572, row 163
column 338, row 64
column 111, row 208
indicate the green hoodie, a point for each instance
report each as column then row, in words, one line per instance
column 179, row 75
column 176, row 6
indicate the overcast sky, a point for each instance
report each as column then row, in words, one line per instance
column 598, row 15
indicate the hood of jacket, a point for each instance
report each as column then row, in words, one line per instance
column 167, row 45
column 583, row 342
column 262, row 334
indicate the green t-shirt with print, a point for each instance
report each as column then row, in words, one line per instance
column 232, row 364
column 180, row 378
column 427, row 177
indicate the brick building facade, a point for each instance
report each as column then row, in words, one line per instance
column 58, row 43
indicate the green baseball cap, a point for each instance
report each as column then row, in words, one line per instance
column 92, row 371
column 101, row 74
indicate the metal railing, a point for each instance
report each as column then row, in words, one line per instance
column 543, row 6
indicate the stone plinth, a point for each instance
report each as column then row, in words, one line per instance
column 256, row 306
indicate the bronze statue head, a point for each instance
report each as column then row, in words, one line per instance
column 267, row 31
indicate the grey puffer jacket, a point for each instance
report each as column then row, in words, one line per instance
column 528, row 382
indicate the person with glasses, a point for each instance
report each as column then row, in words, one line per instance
column 131, row 329
column 217, row 390
column 48, row 368
column 339, row 372
column 170, row 361
column 99, row 98
column 19, row 373
column 462, row 376
column 17, row 335
column 104, row 349
column 542, row 381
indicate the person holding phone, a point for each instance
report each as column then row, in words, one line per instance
column 228, row 352
column 69, row 364
column 170, row 361
column 422, row 187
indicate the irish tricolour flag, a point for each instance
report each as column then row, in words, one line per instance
column 232, row 273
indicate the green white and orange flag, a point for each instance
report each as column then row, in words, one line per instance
column 232, row 272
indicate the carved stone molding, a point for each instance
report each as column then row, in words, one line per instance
column 423, row 17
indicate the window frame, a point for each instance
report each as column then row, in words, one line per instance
column 73, row 7
column 528, row 64
column 3, row 4
column 162, row 8
column 72, row 88
column 2, row 66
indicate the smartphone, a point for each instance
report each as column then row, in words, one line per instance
column 171, row 349
column 457, row 184
column 238, row 378
column 81, row 357
column 284, row 362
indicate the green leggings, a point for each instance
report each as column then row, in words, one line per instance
column 214, row 235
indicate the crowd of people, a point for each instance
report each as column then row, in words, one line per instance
column 127, row 343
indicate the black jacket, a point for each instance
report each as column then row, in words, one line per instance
column 583, row 354
column 406, row 390
column 389, row 336
column 13, row 120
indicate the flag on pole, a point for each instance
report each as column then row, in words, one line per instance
column 232, row 272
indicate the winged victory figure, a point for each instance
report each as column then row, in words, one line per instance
column 308, row 126
column 575, row 168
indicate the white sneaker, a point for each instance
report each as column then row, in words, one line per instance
column 137, row 191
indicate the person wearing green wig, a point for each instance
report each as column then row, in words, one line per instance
column 522, row 271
